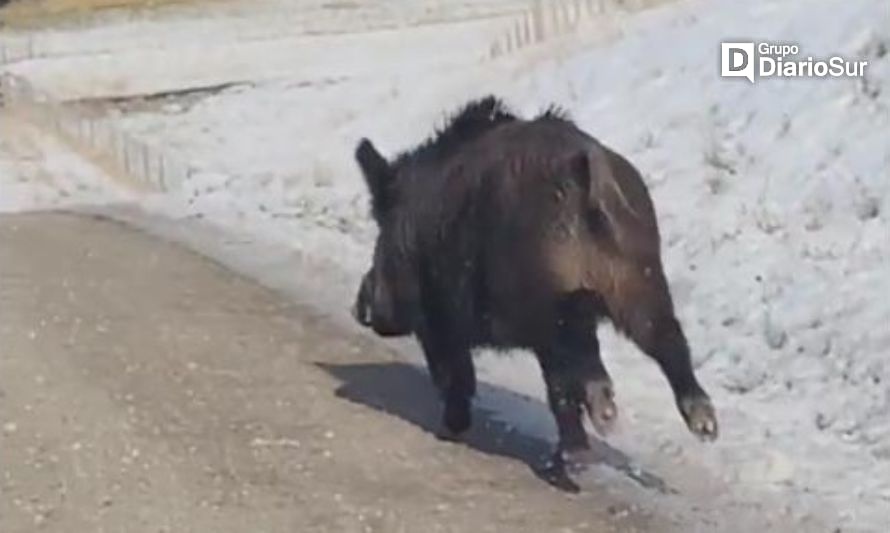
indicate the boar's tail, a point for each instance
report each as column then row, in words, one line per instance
column 618, row 203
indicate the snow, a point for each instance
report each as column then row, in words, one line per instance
column 773, row 201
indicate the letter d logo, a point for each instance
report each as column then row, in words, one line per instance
column 737, row 60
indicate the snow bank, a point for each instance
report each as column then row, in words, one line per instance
column 774, row 198
column 774, row 201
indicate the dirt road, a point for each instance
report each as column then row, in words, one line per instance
column 146, row 388
column 33, row 13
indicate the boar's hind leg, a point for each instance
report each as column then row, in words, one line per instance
column 451, row 367
column 565, row 397
column 579, row 313
column 574, row 373
column 657, row 332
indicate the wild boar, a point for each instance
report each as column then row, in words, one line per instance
column 505, row 232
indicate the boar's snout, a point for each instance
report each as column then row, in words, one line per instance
column 361, row 309
column 374, row 309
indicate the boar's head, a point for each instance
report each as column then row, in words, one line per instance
column 387, row 299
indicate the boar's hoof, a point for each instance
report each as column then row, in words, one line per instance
column 447, row 435
column 600, row 403
column 561, row 468
column 700, row 417
column 455, row 420
column 561, row 480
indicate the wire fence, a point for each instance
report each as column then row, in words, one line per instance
column 95, row 136
column 544, row 20
column 549, row 19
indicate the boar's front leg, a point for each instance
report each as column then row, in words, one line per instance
column 450, row 364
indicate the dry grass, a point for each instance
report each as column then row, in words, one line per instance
column 31, row 13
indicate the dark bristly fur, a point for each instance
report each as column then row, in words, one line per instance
column 522, row 233
column 474, row 119
column 556, row 112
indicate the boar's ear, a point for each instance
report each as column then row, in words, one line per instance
column 377, row 171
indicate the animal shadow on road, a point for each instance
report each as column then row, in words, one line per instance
column 404, row 390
